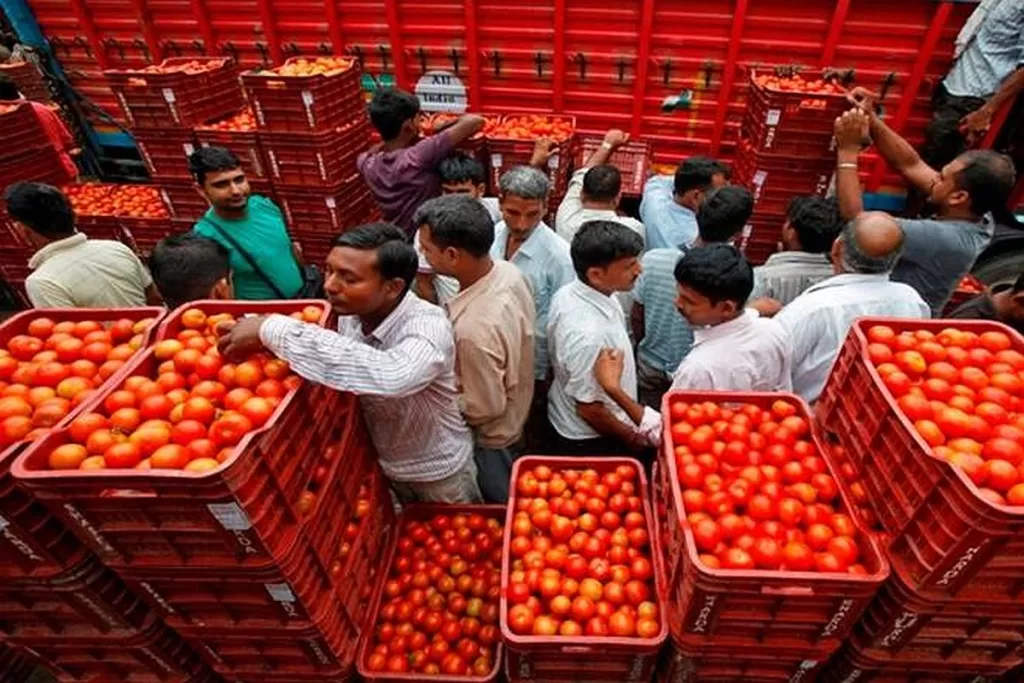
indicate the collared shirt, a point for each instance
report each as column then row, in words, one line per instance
column 77, row 272
column 545, row 261
column 995, row 51
column 494, row 326
column 816, row 322
column 788, row 273
column 404, row 375
column 668, row 223
column 938, row 253
column 667, row 335
column 447, row 287
column 747, row 353
column 572, row 214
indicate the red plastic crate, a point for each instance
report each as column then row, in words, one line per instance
column 589, row 658
column 775, row 179
column 736, row 666
column 632, row 159
column 183, row 201
column 420, row 512
column 505, row 153
column 305, row 160
column 294, row 104
column 787, row 110
column 165, row 152
column 151, row 99
column 39, row 164
column 28, row 79
column 946, row 539
column 759, row 610
column 20, row 130
column 244, row 144
column 16, row 665
column 327, row 211
column 854, row 663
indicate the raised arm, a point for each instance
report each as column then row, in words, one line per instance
column 465, row 127
column 613, row 139
column 977, row 123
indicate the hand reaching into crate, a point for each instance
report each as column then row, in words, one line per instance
column 853, row 130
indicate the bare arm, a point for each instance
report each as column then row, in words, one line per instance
column 465, row 127
column 604, row 423
column 608, row 371
column 977, row 123
column 153, row 297
column 613, row 139
column 850, row 129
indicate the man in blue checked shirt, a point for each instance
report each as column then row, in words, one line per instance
column 669, row 206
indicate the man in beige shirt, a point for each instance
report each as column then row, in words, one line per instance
column 493, row 317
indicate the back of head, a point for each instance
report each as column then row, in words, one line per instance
column 187, row 267
column 41, row 208
column 396, row 258
column 697, row 173
column 8, row 88
column 524, row 181
column 210, row 160
column 459, row 221
column 988, row 177
column 602, row 183
column 460, row 168
column 871, row 243
column 816, row 221
column 718, row 272
column 598, row 244
column 724, row 213
column 390, row 108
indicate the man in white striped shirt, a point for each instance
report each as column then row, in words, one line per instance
column 392, row 349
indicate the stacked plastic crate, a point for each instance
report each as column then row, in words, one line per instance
column 632, row 159
column 312, row 126
column 785, row 150
column 264, row 566
column 749, row 624
column 953, row 609
column 28, row 78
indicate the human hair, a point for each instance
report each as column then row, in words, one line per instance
column 211, row 159
column 723, row 213
column 42, row 208
column 390, row 108
column 186, row 267
column 598, row 244
column 8, row 88
column 1018, row 284
column 461, row 168
column 697, row 173
column 988, row 177
column 602, row 183
column 524, row 181
column 396, row 258
column 717, row 271
column 816, row 221
column 857, row 260
column 459, row 221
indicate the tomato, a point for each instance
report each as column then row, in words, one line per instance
column 67, row 457
column 797, row 557
column 734, row 558
column 124, row 455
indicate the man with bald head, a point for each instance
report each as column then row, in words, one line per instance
column 816, row 322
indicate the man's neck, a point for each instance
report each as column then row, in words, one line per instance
column 957, row 214
column 598, row 206
column 474, row 273
column 513, row 243
column 231, row 214
column 401, row 142
column 685, row 203
column 604, row 290
column 371, row 321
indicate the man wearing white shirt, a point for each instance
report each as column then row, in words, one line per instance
column 816, row 322
column 585, row 319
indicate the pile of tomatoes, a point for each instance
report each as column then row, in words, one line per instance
column 435, row 122
column 96, row 199
column 53, row 367
column 242, row 122
column 580, row 552
column 532, row 127
column 439, row 611
column 303, row 67
column 756, row 492
column 352, row 527
column 797, row 83
column 962, row 391
column 193, row 67
column 189, row 415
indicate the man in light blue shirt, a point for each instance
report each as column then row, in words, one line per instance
column 664, row 335
column 669, row 206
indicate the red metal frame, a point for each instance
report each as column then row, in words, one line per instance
column 642, row 62
column 89, row 29
column 148, row 31
column 558, row 58
column 835, row 31
column 397, row 44
column 728, row 73
column 270, row 30
column 334, row 27
column 472, row 55
column 205, row 26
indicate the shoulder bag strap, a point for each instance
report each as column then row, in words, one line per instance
column 252, row 262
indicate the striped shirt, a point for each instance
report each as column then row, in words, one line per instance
column 545, row 261
column 666, row 222
column 667, row 335
column 995, row 52
column 404, row 375
column 788, row 273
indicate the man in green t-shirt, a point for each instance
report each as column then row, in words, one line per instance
column 249, row 226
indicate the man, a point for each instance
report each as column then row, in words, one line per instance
column 938, row 251
column 586, row 319
column 493, row 319
column 594, row 192
column 69, row 270
column 392, row 349
column 734, row 349
column 402, row 170
column 669, row 206
column 816, row 322
column 988, row 72
column 524, row 240
column 189, row 268
column 812, row 225
column 57, row 133
column 664, row 336
column 1003, row 303
column 249, row 226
